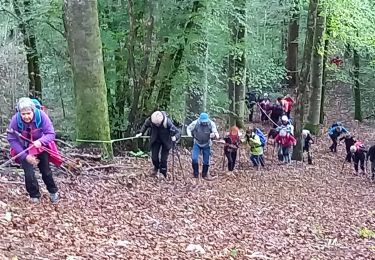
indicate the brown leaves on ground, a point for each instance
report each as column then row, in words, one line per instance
column 285, row 212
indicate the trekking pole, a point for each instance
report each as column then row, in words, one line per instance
column 343, row 164
column 12, row 131
column 16, row 156
column 173, row 151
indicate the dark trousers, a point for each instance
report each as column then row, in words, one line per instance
column 359, row 159
column 348, row 157
column 251, row 113
column 373, row 170
column 257, row 160
column 275, row 119
column 160, row 163
column 333, row 147
column 231, row 156
column 31, row 182
column 306, row 148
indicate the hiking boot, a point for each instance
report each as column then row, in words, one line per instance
column 195, row 169
column 154, row 172
column 35, row 200
column 205, row 170
column 54, row 197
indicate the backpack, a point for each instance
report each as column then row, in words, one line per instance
column 262, row 137
column 336, row 124
column 360, row 146
column 198, row 123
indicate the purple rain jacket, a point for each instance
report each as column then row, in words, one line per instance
column 45, row 133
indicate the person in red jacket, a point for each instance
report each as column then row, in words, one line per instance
column 288, row 103
column 285, row 141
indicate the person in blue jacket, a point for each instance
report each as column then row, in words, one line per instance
column 334, row 133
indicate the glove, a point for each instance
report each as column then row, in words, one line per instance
column 173, row 138
column 138, row 135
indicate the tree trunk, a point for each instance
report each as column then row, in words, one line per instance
column 29, row 40
column 85, row 48
column 231, row 89
column 303, row 79
column 316, row 73
column 357, row 89
column 195, row 95
column 292, row 51
column 324, row 79
column 138, row 82
column 237, row 63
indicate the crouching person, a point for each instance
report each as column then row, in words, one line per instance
column 256, row 148
column 36, row 134
column 285, row 141
column 307, row 142
column 202, row 130
column 232, row 143
column 163, row 134
column 358, row 151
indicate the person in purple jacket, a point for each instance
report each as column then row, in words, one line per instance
column 35, row 125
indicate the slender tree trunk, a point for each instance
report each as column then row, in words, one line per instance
column 237, row 61
column 317, row 73
column 357, row 89
column 29, row 40
column 139, row 82
column 195, row 90
column 304, row 78
column 292, row 51
column 324, row 80
column 85, row 49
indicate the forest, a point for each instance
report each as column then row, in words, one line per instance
column 102, row 67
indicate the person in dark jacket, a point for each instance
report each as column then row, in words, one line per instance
column 276, row 112
column 359, row 151
column 371, row 156
column 250, row 100
column 202, row 130
column 35, row 126
column 163, row 135
column 349, row 141
column 232, row 143
column 307, row 142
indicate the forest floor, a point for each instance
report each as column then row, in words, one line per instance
column 298, row 211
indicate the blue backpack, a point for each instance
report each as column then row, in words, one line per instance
column 262, row 137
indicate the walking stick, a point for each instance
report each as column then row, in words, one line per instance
column 343, row 164
column 173, row 151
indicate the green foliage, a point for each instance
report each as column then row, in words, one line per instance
column 203, row 38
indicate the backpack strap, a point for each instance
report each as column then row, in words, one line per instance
column 38, row 119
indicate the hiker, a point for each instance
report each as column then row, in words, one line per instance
column 255, row 147
column 163, row 135
column 37, row 133
column 371, row 156
column 276, row 112
column 288, row 103
column 251, row 100
column 307, row 141
column 232, row 143
column 202, row 130
column 286, row 124
column 349, row 141
column 358, row 151
column 334, row 132
column 265, row 105
column 285, row 141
